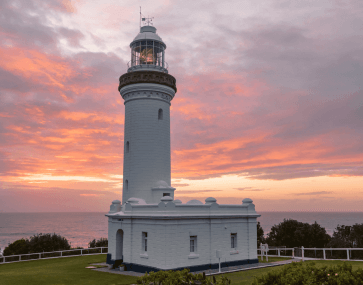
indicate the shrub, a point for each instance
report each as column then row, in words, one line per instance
column 102, row 242
column 308, row 273
column 37, row 243
column 19, row 246
column 179, row 277
column 291, row 233
column 48, row 242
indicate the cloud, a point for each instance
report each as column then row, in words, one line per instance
column 194, row 191
column 180, row 184
column 249, row 189
column 280, row 99
column 314, row 193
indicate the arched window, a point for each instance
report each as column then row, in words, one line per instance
column 127, row 147
column 126, row 185
column 160, row 114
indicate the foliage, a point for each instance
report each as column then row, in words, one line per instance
column 102, row 242
column 37, row 243
column 19, row 246
column 346, row 237
column 291, row 233
column 260, row 234
column 180, row 277
column 297, row 273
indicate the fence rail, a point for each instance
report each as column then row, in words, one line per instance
column 53, row 254
column 316, row 253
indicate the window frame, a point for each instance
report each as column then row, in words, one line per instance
column 193, row 243
column 234, row 240
column 144, row 241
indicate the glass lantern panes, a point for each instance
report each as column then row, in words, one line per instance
column 147, row 52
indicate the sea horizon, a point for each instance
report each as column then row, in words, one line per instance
column 79, row 228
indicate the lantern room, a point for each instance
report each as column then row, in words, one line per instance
column 148, row 51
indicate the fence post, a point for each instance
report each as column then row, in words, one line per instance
column 278, row 252
column 40, row 256
column 293, row 253
column 19, row 257
column 81, row 252
column 324, row 256
column 347, row 254
column 302, row 253
column 61, row 253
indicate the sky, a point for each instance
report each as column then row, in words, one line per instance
column 269, row 102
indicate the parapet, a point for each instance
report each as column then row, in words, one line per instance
column 168, row 208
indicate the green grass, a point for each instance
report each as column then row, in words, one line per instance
column 71, row 270
column 68, row 270
column 272, row 259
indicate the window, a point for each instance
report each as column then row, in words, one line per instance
column 166, row 194
column 126, row 185
column 144, row 241
column 193, row 243
column 233, row 240
column 127, row 146
column 160, row 114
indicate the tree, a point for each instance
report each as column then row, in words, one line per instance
column 347, row 236
column 260, row 234
column 291, row 233
column 102, row 242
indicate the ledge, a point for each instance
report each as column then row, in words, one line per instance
column 144, row 255
column 146, row 76
column 193, row 255
column 233, row 252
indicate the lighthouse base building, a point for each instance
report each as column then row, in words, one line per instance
column 150, row 230
column 171, row 235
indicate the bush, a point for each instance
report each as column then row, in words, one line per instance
column 102, row 242
column 179, row 277
column 291, row 233
column 37, row 243
column 308, row 273
column 19, row 246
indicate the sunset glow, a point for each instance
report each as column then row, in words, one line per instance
column 269, row 103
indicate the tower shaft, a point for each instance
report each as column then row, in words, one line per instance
column 147, row 96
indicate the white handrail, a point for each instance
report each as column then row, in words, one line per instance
column 44, row 253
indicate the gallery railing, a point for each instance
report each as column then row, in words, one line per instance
column 53, row 254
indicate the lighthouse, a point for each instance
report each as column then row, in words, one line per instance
column 147, row 89
column 150, row 230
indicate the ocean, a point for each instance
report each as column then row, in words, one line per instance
column 81, row 228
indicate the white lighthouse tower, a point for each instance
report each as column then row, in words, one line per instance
column 150, row 230
column 147, row 89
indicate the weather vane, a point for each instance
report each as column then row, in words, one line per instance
column 146, row 21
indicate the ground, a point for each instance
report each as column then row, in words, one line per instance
column 71, row 270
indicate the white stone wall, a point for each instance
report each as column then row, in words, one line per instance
column 168, row 241
column 148, row 158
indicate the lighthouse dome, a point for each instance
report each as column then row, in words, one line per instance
column 148, row 33
column 147, row 51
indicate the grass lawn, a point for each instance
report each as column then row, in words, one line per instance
column 272, row 259
column 68, row 270
column 71, row 270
